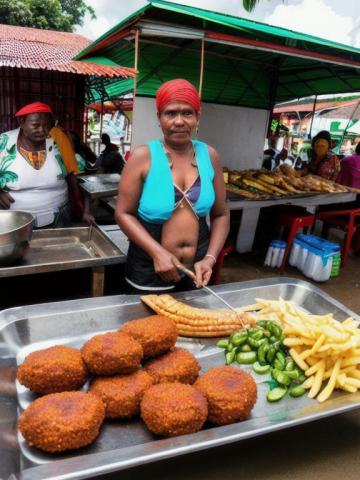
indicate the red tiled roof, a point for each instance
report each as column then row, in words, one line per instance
column 24, row 47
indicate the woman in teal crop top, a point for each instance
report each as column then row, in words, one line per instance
column 167, row 189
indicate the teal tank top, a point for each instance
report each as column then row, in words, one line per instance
column 157, row 201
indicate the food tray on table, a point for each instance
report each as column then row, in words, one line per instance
column 122, row 444
column 100, row 185
column 230, row 195
column 65, row 249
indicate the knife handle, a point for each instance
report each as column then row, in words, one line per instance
column 187, row 272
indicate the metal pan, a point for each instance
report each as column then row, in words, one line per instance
column 125, row 444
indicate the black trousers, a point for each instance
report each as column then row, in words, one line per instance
column 140, row 267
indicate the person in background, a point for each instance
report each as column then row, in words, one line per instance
column 86, row 159
column 167, row 189
column 350, row 169
column 323, row 162
column 111, row 161
column 33, row 175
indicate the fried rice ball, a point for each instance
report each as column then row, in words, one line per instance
column 62, row 421
column 231, row 394
column 170, row 409
column 112, row 353
column 178, row 365
column 122, row 394
column 55, row 369
column 156, row 333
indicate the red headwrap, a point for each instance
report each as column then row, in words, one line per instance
column 36, row 107
column 177, row 90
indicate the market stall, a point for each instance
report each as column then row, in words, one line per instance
column 241, row 68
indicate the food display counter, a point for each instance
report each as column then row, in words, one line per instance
column 125, row 444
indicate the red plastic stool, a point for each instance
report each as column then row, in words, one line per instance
column 346, row 220
column 295, row 219
column 227, row 248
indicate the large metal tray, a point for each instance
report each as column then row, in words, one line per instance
column 66, row 249
column 125, row 444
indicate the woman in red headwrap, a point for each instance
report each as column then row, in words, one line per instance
column 167, row 189
column 33, row 175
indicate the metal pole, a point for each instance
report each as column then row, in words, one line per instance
column 312, row 116
column 347, row 126
column 85, row 133
column 101, row 122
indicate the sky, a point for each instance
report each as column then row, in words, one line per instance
column 336, row 20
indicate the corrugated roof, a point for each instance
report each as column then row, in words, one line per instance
column 246, row 63
column 308, row 107
column 24, row 47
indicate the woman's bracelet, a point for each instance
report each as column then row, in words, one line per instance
column 211, row 256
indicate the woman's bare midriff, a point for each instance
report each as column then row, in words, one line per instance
column 180, row 234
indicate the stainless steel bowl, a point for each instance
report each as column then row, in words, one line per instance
column 15, row 235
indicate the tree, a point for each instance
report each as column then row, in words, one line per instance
column 61, row 15
column 250, row 5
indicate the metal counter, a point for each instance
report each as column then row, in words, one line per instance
column 121, row 445
column 52, row 250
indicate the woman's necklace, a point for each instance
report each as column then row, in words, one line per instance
column 171, row 163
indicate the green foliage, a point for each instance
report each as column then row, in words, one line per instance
column 15, row 12
column 61, row 15
column 250, row 5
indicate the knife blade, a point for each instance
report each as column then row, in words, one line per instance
column 192, row 275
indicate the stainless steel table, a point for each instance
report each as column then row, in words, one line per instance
column 99, row 185
column 53, row 250
column 276, row 443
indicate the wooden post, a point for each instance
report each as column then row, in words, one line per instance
column 136, row 62
column 98, row 281
column 136, row 59
column 201, row 66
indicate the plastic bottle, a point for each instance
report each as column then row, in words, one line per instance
column 295, row 253
column 322, row 274
column 311, row 263
column 282, row 247
column 269, row 254
column 275, row 255
column 304, row 251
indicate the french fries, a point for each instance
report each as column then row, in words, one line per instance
column 327, row 350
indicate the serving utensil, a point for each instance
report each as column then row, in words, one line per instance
column 192, row 275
